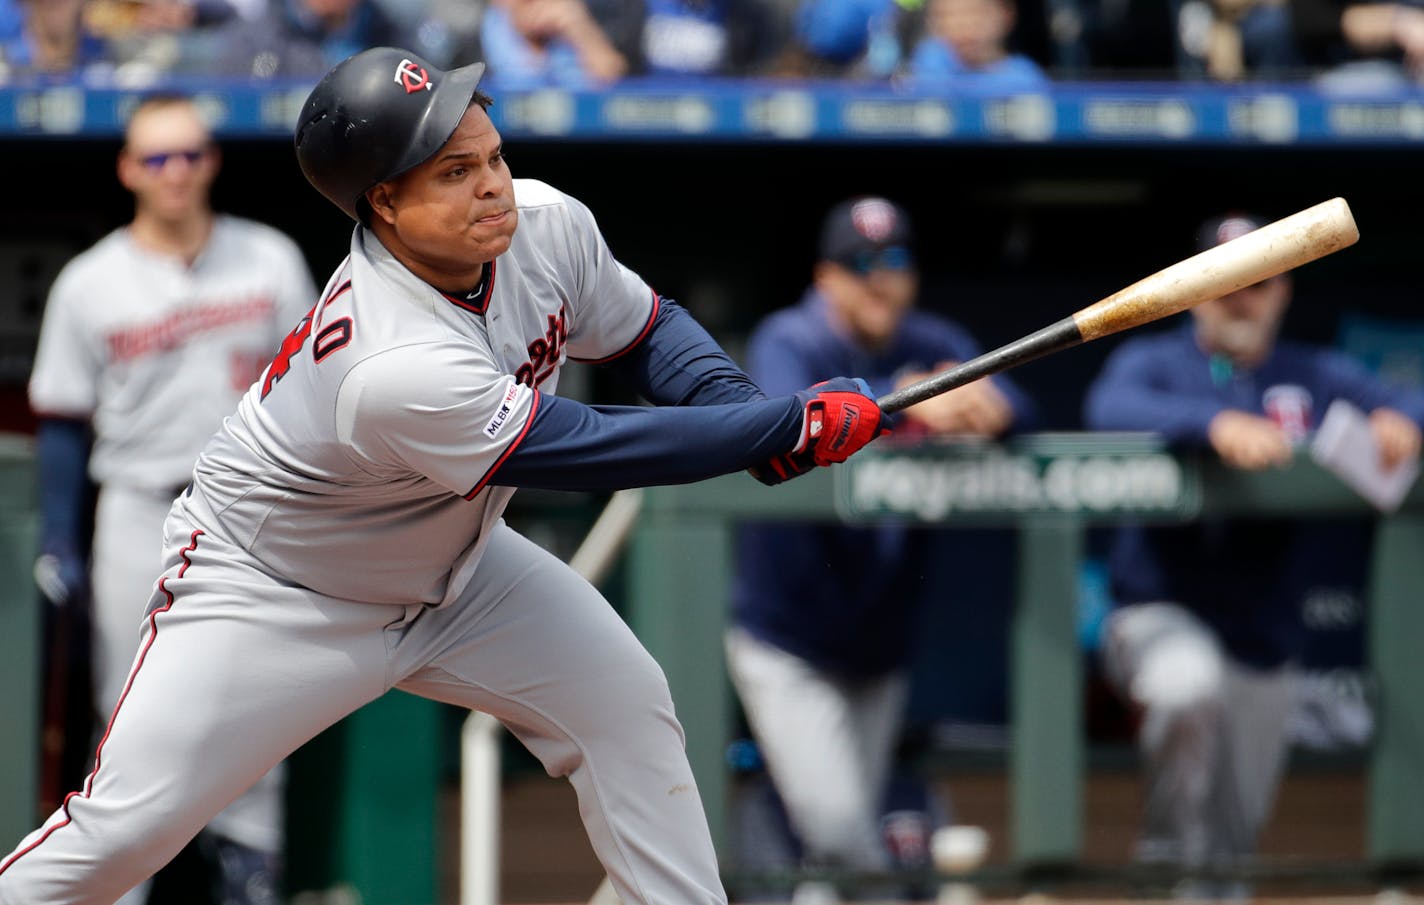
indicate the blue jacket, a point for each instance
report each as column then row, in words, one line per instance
column 935, row 63
column 843, row 599
column 1245, row 578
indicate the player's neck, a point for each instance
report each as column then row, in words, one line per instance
column 182, row 238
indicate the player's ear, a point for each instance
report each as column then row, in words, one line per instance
column 382, row 202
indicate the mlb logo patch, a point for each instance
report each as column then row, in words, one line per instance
column 506, row 406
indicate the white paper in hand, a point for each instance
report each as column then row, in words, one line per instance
column 1346, row 446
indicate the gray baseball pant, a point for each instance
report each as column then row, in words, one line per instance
column 828, row 744
column 1213, row 734
column 237, row 669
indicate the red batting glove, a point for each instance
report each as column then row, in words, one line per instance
column 840, row 417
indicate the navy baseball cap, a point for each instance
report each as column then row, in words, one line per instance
column 865, row 234
column 1225, row 228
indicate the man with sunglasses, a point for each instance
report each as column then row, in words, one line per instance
column 820, row 646
column 149, row 340
column 1207, row 628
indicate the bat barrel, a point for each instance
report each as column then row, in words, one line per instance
column 1273, row 249
column 1269, row 251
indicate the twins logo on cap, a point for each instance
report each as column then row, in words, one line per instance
column 1233, row 228
column 873, row 218
column 412, row 77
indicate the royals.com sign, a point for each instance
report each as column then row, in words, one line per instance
column 947, row 483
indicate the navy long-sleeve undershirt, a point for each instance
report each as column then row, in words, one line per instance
column 711, row 420
column 679, row 363
column 572, row 446
column 62, row 453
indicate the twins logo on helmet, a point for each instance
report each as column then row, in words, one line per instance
column 343, row 157
column 413, row 77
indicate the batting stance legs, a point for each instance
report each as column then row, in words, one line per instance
column 537, row 647
column 127, row 554
column 237, row 670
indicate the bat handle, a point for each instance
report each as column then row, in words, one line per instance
column 935, row 384
column 1054, row 337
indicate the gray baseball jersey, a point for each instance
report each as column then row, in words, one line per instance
column 380, row 421
column 156, row 352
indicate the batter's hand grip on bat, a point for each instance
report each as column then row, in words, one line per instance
column 1271, row 250
column 838, row 418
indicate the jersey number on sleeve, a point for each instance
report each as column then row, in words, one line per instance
column 332, row 337
column 291, row 345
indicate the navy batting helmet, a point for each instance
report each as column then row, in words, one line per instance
column 376, row 115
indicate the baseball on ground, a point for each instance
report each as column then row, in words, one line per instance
column 959, row 849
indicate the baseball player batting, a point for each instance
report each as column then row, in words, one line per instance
column 341, row 535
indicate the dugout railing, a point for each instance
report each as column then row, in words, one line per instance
column 20, row 642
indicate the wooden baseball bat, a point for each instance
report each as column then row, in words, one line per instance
column 1273, row 249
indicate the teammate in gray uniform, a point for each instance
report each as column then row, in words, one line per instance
column 149, row 340
column 342, row 534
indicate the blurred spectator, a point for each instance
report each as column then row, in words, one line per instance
column 305, row 38
column 1349, row 45
column 446, row 32
column 12, row 20
column 534, row 43
column 168, row 15
column 1229, row 40
column 1208, row 630
column 706, row 37
column 1361, row 46
column 966, row 45
column 150, row 38
column 823, row 615
column 51, row 41
column 856, row 39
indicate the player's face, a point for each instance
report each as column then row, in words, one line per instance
column 455, row 211
column 870, row 304
column 1243, row 325
column 168, row 162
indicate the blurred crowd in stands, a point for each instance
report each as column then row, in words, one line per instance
column 945, row 44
